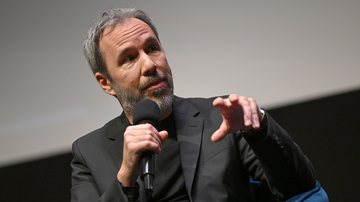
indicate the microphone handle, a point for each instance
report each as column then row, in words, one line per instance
column 147, row 166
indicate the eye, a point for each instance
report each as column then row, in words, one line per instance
column 129, row 58
column 153, row 48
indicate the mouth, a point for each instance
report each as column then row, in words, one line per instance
column 160, row 83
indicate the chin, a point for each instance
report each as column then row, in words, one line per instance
column 164, row 101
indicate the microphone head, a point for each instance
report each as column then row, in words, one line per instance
column 146, row 111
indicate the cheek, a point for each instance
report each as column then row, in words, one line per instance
column 128, row 76
column 163, row 64
column 130, row 80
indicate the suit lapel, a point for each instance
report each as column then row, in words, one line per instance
column 115, row 139
column 189, row 128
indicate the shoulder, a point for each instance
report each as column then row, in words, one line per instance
column 96, row 136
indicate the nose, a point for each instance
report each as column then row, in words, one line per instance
column 148, row 65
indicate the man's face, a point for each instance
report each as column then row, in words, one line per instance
column 136, row 64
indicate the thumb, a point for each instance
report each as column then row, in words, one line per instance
column 163, row 135
column 218, row 135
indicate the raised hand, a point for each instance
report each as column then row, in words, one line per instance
column 238, row 113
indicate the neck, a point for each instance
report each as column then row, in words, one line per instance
column 166, row 113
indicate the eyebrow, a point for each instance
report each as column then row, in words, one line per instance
column 123, row 51
column 151, row 39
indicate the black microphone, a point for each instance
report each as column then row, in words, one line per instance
column 147, row 111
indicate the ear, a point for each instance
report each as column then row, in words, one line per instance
column 105, row 83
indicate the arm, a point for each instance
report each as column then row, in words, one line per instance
column 268, row 152
column 84, row 188
column 272, row 158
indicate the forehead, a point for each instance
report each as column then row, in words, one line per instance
column 131, row 29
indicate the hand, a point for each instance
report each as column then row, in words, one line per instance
column 138, row 138
column 238, row 113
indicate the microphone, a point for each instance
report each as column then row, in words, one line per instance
column 147, row 111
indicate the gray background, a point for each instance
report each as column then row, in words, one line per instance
column 280, row 52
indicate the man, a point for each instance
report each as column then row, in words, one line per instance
column 206, row 149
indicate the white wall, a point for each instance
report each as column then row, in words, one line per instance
column 279, row 52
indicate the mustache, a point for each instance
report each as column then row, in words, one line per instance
column 152, row 80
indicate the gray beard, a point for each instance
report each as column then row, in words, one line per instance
column 162, row 98
column 128, row 101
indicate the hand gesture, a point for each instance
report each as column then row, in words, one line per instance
column 238, row 113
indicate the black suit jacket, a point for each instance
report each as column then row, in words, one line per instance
column 213, row 171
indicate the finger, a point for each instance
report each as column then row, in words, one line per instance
column 245, row 104
column 131, row 139
column 142, row 146
column 163, row 135
column 218, row 135
column 255, row 113
column 218, row 102
column 137, row 146
column 143, row 132
column 233, row 98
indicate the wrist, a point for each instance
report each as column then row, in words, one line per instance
column 126, row 177
column 258, row 133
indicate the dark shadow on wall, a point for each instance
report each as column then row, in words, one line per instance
column 327, row 130
column 44, row 180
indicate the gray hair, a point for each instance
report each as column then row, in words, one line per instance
column 109, row 19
